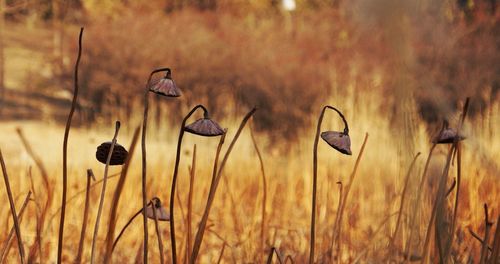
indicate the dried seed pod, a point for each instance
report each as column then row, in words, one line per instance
column 166, row 86
column 205, row 127
column 117, row 158
column 448, row 136
column 161, row 212
column 338, row 140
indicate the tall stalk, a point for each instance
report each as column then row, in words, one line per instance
column 90, row 177
column 192, row 173
column 65, row 151
column 103, row 192
column 264, row 190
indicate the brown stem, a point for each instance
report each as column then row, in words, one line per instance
column 12, row 209
column 190, row 204
column 315, row 176
column 90, row 177
column 116, row 198
column 346, row 193
column 8, row 242
column 144, row 163
column 264, row 189
column 154, row 202
column 487, row 228
column 403, row 196
column 334, row 229
column 270, row 256
column 221, row 253
column 201, row 228
column 213, row 187
column 476, row 236
column 65, row 152
column 174, row 180
column 103, row 192
column 496, row 244
column 117, row 239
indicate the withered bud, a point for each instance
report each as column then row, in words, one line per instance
column 166, row 86
column 205, row 127
column 338, row 140
column 161, row 212
column 447, row 136
column 117, row 158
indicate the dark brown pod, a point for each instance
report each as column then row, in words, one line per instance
column 447, row 136
column 205, row 127
column 117, row 158
column 166, row 87
column 161, row 212
column 338, row 140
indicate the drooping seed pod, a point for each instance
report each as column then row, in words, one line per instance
column 205, row 127
column 117, row 158
column 448, row 136
column 166, row 86
column 161, row 212
column 338, row 140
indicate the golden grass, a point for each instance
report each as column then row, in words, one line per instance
column 235, row 217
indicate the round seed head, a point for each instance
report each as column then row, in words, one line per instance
column 338, row 140
column 205, row 127
column 117, row 158
column 448, row 136
column 166, row 87
column 161, row 212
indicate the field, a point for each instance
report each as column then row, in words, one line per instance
column 382, row 204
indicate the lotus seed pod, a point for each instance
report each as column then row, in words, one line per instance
column 338, row 140
column 117, row 158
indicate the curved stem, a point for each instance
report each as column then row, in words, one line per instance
column 264, row 188
column 154, row 202
column 174, row 180
column 125, row 227
column 144, row 164
column 103, row 192
column 65, row 152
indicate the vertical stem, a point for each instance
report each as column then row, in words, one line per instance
column 174, row 182
column 315, row 179
column 487, row 228
column 211, row 194
column 403, row 196
column 158, row 233
column 8, row 242
column 264, row 189
column 116, row 198
column 12, row 209
column 65, row 152
column 103, row 192
column 190, row 205
column 144, row 166
column 90, row 176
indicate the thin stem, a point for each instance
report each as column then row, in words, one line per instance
column 103, row 192
column 346, row 194
column 65, row 152
column 211, row 194
column 190, row 204
column 264, row 190
column 336, row 220
column 154, row 202
column 174, row 181
column 270, row 256
column 487, row 228
column 125, row 227
column 476, row 236
column 12, row 209
column 496, row 244
column 201, row 228
column 8, row 242
column 144, row 163
column 116, row 198
column 403, row 196
column 90, row 177
column 221, row 253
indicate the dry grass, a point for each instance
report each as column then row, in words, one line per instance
column 375, row 193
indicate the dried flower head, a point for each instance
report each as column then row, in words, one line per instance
column 447, row 136
column 338, row 140
column 166, row 86
column 161, row 212
column 117, row 158
column 205, row 127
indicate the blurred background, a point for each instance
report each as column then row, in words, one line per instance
column 286, row 57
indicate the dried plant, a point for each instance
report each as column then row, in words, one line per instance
column 8, row 242
column 65, row 152
column 209, row 128
column 12, row 209
column 192, row 172
column 339, row 141
column 116, row 197
column 103, row 190
column 215, row 182
column 166, row 87
column 90, row 177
